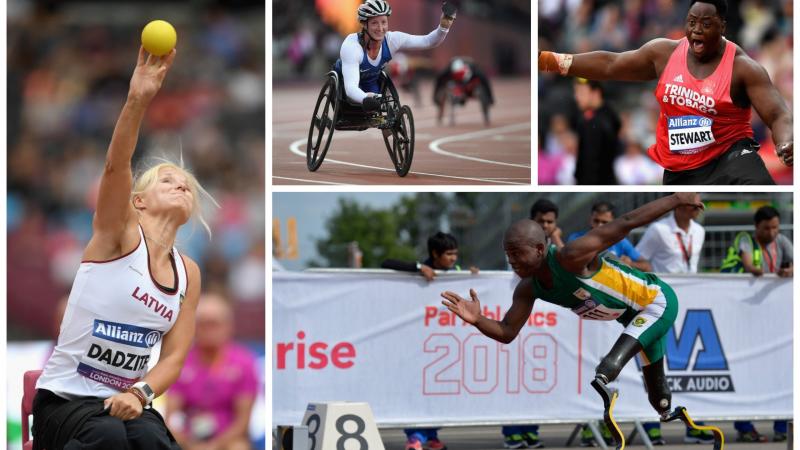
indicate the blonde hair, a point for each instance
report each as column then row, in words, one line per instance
column 146, row 179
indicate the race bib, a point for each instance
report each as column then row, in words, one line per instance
column 689, row 134
column 589, row 309
column 118, row 353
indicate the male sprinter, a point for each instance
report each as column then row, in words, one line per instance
column 706, row 87
column 596, row 288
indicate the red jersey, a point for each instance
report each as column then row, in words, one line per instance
column 698, row 120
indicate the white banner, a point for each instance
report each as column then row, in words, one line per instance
column 385, row 339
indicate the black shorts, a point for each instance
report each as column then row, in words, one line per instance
column 740, row 164
column 84, row 424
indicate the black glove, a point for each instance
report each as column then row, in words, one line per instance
column 449, row 10
column 372, row 103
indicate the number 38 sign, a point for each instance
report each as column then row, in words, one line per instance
column 341, row 426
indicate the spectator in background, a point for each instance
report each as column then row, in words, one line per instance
column 598, row 128
column 603, row 213
column 775, row 54
column 635, row 167
column 569, row 159
column 558, row 156
column 673, row 245
column 559, row 126
column 547, row 167
column 767, row 251
column 545, row 213
column 442, row 255
column 209, row 407
column 521, row 436
column 301, row 48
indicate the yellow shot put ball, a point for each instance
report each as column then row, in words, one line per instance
column 159, row 37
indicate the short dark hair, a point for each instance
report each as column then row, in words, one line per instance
column 543, row 206
column 721, row 5
column 766, row 213
column 441, row 242
column 603, row 207
column 593, row 84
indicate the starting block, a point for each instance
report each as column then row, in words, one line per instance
column 292, row 438
column 341, row 426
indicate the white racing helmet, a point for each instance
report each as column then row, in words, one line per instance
column 373, row 8
column 460, row 70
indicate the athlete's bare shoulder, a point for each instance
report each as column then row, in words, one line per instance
column 524, row 290
column 659, row 51
column 192, row 272
column 739, row 50
column 747, row 70
column 662, row 45
column 743, row 62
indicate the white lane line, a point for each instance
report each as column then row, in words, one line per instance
column 285, row 126
column 424, row 115
column 435, row 145
column 294, row 148
column 309, row 181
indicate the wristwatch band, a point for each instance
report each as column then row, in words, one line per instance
column 146, row 392
column 138, row 394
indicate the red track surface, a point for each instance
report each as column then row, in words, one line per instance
column 467, row 153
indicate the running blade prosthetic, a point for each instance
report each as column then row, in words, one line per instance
column 609, row 400
column 680, row 413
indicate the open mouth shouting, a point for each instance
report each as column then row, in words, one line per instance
column 698, row 46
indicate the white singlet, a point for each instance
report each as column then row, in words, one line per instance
column 352, row 55
column 115, row 315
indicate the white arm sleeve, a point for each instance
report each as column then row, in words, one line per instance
column 404, row 41
column 351, row 55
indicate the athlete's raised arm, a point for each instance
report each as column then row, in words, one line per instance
column 114, row 208
column 770, row 106
column 404, row 41
column 504, row 330
column 577, row 254
column 633, row 65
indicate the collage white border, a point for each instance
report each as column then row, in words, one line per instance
column 270, row 189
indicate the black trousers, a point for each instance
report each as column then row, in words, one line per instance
column 83, row 424
column 740, row 164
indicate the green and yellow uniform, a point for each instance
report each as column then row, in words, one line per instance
column 641, row 302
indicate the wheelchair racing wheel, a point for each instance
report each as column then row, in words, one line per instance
column 326, row 113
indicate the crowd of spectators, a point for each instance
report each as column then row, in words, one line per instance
column 68, row 70
column 763, row 28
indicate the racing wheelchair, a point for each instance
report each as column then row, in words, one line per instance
column 334, row 111
column 459, row 93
